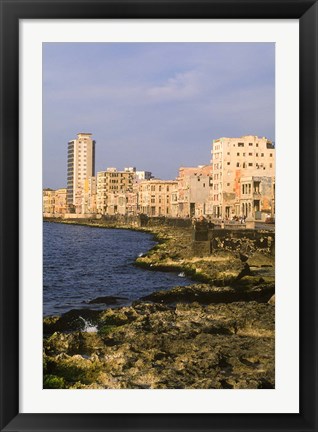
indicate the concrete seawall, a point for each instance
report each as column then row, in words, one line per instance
column 121, row 220
column 207, row 238
column 209, row 241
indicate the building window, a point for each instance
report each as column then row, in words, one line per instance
column 250, row 154
column 271, row 165
column 237, row 164
column 262, row 154
column 237, row 154
column 250, row 164
column 271, row 155
column 228, row 163
column 250, row 144
column 240, row 144
column 256, row 154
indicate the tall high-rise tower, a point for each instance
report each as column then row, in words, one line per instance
column 80, row 163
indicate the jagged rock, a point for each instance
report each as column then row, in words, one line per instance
column 211, row 294
column 108, row 300
column 188, row 346
column 272, row 300
column 74, row 320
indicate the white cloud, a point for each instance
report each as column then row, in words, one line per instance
column 182, row 86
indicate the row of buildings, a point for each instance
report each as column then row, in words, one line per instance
column 239, row 181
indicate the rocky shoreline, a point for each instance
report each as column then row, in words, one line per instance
column 217, row 333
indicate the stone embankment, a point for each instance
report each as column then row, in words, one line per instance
column 217, row 333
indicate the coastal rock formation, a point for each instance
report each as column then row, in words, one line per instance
column 107, row 300
column 156, row 346
column 206, row 294
column 218, row 333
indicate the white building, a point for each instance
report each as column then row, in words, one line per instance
column 143, row 175
column 80, row 164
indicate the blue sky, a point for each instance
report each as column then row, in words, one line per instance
column 156, row 106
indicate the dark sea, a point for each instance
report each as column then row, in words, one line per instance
column 82, row 263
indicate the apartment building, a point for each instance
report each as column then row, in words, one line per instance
column 80, row 165
column 122, row 203
column 48, row 200
column 54, row 201
column 60, row 201
column 193, row 190
column 132, row 202
column 158, row 197
column 232, row 160
column 257, row 197
column 139, row 175
column 85, row 196
column 143, row 175
column 109, row 184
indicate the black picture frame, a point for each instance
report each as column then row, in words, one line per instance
column 11, row 12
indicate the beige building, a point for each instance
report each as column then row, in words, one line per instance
column 158, row 197
column 80, row 165
column 109, row 184
column 85, row 196
column 132, row 202
column 233, row 159
column 257, row 197
column 193, row 190
column 122, row 203
column 48, row 198
column 54, row 201
column 60, row 201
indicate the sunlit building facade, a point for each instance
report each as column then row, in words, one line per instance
column 80, row 165
column 232, row 160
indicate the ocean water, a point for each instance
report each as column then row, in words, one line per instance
column 82, row 263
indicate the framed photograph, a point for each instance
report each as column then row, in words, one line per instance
column 158, row 215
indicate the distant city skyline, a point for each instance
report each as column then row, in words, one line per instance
column 154, row 106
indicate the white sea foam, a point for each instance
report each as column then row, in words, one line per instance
column 88, row 326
